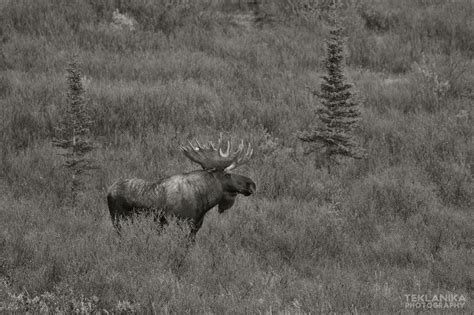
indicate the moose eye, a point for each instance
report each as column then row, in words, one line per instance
column 227, row 175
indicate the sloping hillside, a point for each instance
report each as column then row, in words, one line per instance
column 357, row 240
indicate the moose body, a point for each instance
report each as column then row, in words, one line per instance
column 187, row 196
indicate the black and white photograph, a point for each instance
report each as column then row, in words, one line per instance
column 236, row 157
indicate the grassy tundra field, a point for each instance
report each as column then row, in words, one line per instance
column 356, row 240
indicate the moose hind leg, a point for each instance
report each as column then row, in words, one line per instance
column 118, row 211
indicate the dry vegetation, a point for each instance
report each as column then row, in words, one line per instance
column 355, row 240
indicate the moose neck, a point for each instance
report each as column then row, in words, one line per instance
column 198, row 190
column 210, row 187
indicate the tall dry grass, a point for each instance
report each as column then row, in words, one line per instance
column 355, row 240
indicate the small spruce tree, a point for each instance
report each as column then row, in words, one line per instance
column 339, row 113
column 73, row 134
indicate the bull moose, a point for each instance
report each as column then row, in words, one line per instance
column 187, row 196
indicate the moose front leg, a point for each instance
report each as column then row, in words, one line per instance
column 195, row 226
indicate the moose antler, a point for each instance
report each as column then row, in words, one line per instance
column 213, row 157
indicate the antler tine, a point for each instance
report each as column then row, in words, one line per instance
column 211, row 145
column 191, row 145
column 240, row 148
column 199, row 145
column 238, row 153
column 249, row 153
column 219, row 141
column 227, row 151
column 244, row 158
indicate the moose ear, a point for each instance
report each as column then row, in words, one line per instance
column 226, row 202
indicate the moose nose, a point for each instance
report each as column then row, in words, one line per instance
column 252, row 188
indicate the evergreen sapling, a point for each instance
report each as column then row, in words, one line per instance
column 73, row 131
column 339, row 113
